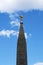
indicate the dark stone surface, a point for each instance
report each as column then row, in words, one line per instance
column 21, row 48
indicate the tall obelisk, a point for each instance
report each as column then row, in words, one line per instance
column 21, row 46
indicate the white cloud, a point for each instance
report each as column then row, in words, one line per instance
column 40, row 63
column 17, row 5
column 13, row 16
column 15, row 23
column 7, row 33
column 26, row 36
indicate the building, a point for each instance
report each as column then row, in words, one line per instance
column 21, row 46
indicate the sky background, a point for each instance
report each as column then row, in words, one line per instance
column 10, row 10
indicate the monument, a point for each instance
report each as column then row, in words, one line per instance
column 21, row 46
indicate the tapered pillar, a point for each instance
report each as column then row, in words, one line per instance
column 21, row 47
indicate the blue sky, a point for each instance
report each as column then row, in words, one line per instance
column 9, row 29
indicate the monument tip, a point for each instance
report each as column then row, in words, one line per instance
column 21, row 17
